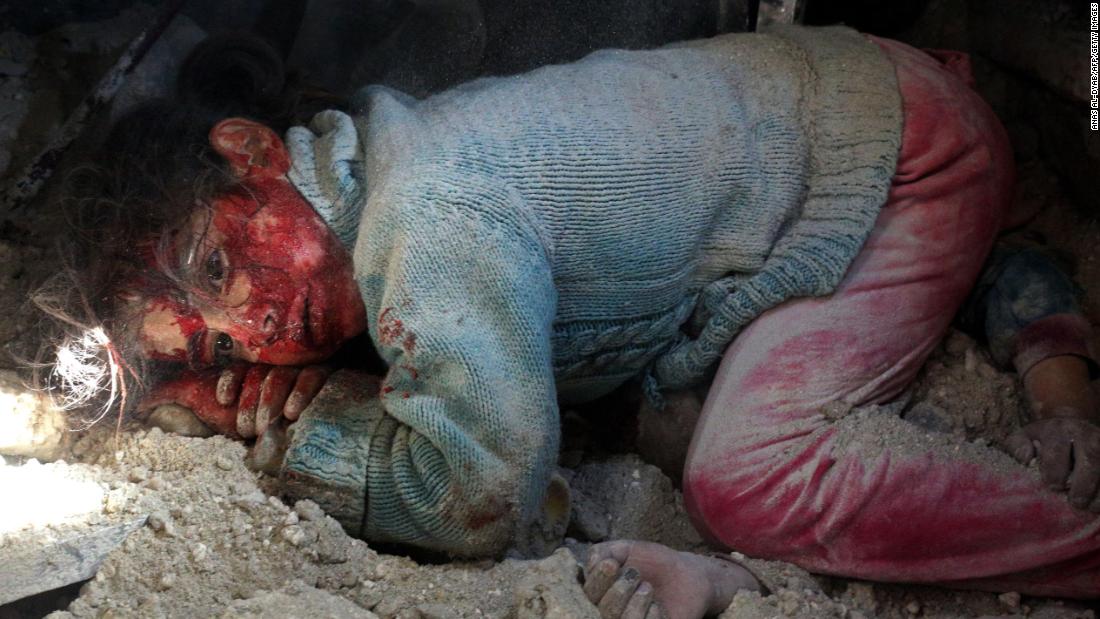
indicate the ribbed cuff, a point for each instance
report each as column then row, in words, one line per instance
column 1052, row 336
column 329, row 446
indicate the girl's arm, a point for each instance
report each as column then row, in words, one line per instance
column 454, row 449
column 1026, row 307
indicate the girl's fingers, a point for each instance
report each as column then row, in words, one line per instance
column 248, row 400
column 614, row 602
column 229, row 384
column 273, row 395
column 1020, row 446
column 1055, row 459
column 310, row 381
column 1086, row 470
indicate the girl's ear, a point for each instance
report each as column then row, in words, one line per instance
column 251, row 149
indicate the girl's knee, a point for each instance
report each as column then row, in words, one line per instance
column 699, row 502
column 721, row 500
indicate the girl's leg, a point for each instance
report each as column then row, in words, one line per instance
column 872, row 496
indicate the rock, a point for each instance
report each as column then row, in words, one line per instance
column 958, row 343
column 30, row 425
column 158, row 520
column 150, row 606
column 793, row 593
column 862, row 595
column 930, row 417
column 1068, row 144
column 296, row 600
column 294, row 535
column 625, row 498
column 12, row 68
column 155, row 76
column 836, row 409
column 1048, row 37
column 1057, row 609
column 987, row 371
column 1011, row 600
column 552, row 591
column 308, row 510
column 177, row 419
column 438, row 611
column 250, row 499
column 546, row 531
column 391, row 605
column 104, row 36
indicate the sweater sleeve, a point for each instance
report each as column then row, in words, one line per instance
column 464, row 435
column 1026, row 307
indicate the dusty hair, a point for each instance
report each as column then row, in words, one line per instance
column 154, row 167
column 150, row 173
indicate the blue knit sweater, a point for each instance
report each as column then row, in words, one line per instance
column 537, row 239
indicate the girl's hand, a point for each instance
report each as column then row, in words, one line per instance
column 1068, row 451
column 263, row 393
column 243, row 399
column 1065, row 436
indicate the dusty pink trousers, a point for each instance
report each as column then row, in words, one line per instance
column 770, row 476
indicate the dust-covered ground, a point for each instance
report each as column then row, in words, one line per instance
column 214, row 543
column 212, row 538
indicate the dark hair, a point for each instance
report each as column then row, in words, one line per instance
column 153, row 169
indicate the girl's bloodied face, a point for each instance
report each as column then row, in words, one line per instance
column 262, row 277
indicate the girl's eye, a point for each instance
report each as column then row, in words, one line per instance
column 223, row 347
column 215, row 269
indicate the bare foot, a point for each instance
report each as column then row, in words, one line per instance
column 643, row 580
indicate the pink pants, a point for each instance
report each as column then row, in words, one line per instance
column 769, row 475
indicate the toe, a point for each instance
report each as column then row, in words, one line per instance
column 599, row 579
column 618, row 550
column 638, row 606
column 176, row 419
column 614, row 602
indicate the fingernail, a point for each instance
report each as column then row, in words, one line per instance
column 645, row 588
column 630, row 574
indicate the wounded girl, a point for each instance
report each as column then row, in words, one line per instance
column 787, row 219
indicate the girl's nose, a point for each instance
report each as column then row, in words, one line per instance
column 265, row 325
column 270, row 324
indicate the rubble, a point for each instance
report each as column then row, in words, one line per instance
column 625, row 498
